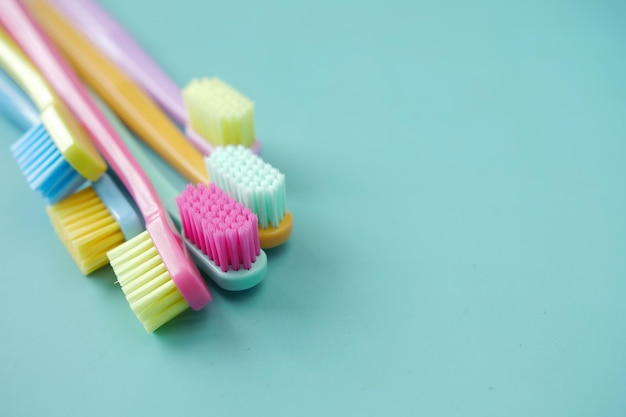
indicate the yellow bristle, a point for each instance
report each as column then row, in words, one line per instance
column 219, row 113
column 147, row 285
column 86, row 228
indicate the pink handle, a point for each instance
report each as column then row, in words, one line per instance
column 111, row 38
column 17, row 21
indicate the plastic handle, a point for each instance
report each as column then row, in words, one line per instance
column 128, row 100
column 15, row 18
column 15, row 104
column 164, row 189
column 102, row 30
column 17, row 65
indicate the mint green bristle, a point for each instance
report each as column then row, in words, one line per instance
column 251, row 181
column 145, row 281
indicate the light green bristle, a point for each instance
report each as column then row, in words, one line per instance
column 251, row 181
column 86, row 228
column 147, row 284
column 219, row 113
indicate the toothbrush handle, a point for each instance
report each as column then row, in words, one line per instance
column 15, row 104
column 164, row 188
column 16, row 20
column 111, row 38
column 18, row 67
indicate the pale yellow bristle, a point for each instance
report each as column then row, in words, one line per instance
column 86, row 228
column 146, row 283
column 219, row 113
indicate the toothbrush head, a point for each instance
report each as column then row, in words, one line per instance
column 156, row 277
column 146, row 283
column 56, row 156
column 222, row 233
column 94, row 221
column 219, row 113
column 258, row 186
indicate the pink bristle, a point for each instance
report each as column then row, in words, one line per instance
column 209, row 244
column 181, row 202
column 255, row 244
column 195, row 223
column 231, row 241
column 219, row 226
column 244, row 241
column 221, row 259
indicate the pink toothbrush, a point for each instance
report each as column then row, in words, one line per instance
column 120, row 47
column 157, row 278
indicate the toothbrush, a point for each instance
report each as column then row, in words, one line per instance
column 192, row 111
column 227, row 278
column 93, row 220
column 133, row 106
column 55, row 155
column 96, row 67
column 158, row 280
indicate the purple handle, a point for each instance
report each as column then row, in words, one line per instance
column 104, row 32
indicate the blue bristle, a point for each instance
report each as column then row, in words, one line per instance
column 44, row 167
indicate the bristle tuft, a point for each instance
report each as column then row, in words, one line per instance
column 219, row 113
column 147, row 284
column 221, row 227
column 251, row 181
column 86, row 228
column 43, row 165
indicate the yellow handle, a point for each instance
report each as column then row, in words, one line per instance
column 66, row 133
column 13, row 60
column 129, row 101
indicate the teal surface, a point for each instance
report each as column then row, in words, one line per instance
column 456, row 172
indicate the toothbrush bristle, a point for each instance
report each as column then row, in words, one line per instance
column 221, row 227
column 86, row 228
column 219, row 113
column 146, row 283
column 251, row 181
column 43, row 165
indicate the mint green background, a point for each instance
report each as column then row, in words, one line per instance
column 456, row 171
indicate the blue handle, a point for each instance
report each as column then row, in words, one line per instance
column 15, row 104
